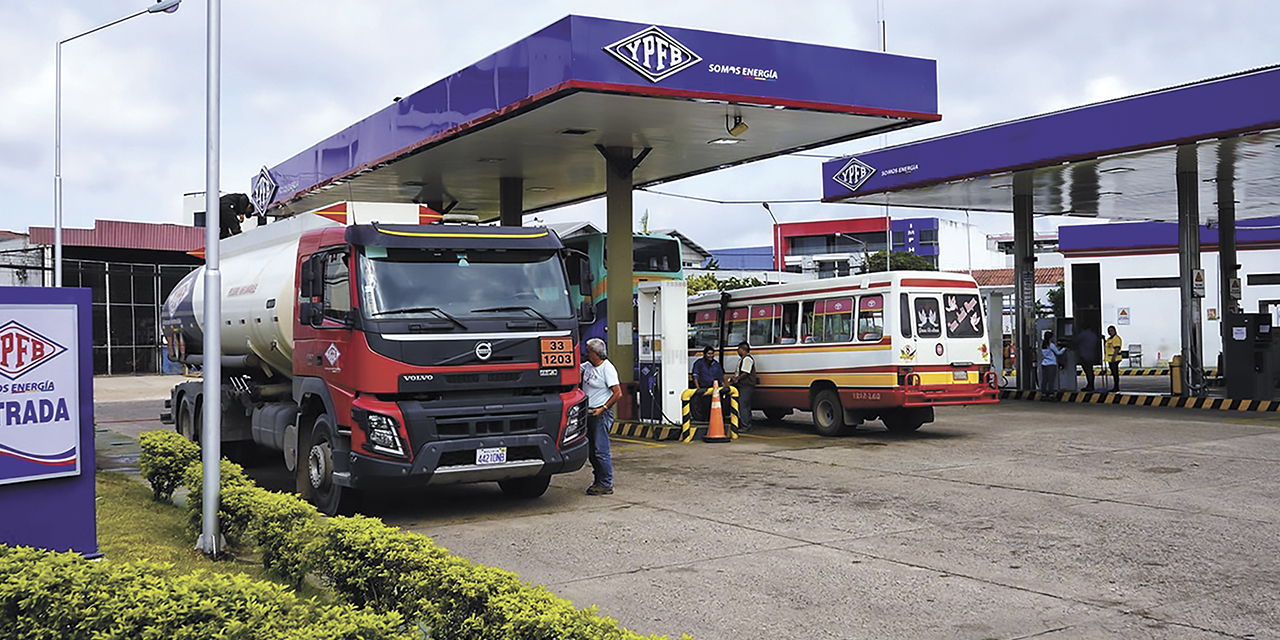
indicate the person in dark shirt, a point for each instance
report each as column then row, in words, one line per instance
column 706, row 370
column 1088, row 350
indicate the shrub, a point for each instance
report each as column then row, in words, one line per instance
column 367, row 564
column 234, row 509
column 46, row 595
column 165, row 457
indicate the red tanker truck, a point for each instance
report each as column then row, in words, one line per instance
column 378, row 356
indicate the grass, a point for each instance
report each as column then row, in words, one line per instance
column 133, row 527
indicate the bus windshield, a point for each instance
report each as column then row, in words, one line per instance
column 407, row 282
column 655, row 255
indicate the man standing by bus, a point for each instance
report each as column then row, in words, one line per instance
column 706, row 371
column 745, row 380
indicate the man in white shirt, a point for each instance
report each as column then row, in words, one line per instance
column 600, row 383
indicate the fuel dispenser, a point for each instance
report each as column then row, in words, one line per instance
column 1249, row 356
column 1064, row 337
column 663, row 358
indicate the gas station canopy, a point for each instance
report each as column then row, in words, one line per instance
column 538, row 114
column 1114, row 159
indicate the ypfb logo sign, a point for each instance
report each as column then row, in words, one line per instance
column 22, row 350
column 854, row 173
column 653, row 54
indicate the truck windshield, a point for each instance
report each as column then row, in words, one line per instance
column 453, row 283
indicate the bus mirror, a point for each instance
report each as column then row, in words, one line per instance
column 585, row 285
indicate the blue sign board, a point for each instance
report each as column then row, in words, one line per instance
column 46, row 419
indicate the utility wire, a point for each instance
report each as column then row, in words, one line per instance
column 714, row 201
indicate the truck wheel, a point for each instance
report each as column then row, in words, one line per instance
column 828, row 415
column 903, row 420
column 527, row 488
column 187, row 420
column 316, row 472
column 776, row 415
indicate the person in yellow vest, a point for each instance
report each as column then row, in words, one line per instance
column 1111, row 350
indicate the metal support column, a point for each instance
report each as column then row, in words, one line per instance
column 1188, row 266
column 1026, row 343
column 511, row 202
column 618, row 259
column 1228, row 263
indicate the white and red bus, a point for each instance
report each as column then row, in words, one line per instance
column 890, row 345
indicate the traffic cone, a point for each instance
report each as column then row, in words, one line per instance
column 715, row 429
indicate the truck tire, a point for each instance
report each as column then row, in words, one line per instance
column 315, row 473
column 186, row 423
column 526, row 488
column 828, row 415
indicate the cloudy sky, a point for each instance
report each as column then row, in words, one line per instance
column 296, row 71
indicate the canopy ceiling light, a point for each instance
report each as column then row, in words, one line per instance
column 737, row 128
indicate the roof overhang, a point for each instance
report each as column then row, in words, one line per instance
column 1114, row 159
column 537, row 110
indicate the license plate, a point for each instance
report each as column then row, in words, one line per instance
column 960, row 375
column 496, row 455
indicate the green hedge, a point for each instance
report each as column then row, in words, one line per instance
column 60, row 596
column 368, row 564
column 165, row 458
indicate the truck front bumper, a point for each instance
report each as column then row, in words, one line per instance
column 454, row 462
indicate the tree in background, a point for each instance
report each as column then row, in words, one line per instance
column 1057, row 305
column 902, row 261
column 708, row 282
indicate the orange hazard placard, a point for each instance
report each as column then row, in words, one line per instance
column 557, row 352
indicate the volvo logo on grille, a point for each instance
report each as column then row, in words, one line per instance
column 484, row 350
column 854, row 173
column 653, row 54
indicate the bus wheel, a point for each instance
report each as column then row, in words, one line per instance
column 775, row 414
column 828, row 415
column 903, row 420
column 317, row 471
column 527, row 488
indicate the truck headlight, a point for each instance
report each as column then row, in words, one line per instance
column 381, row 433
column 575, row 424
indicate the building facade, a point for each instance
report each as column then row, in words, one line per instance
column 1135, row 266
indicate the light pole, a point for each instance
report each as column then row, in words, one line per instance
column 163, row 6
column 777, row 250
column 866, row 251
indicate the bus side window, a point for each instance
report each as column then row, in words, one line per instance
column 871, row 317
column 809, row 329
column 764, row 320
column 704, row 330
column 737, row 326
column 786, row 333
column 904, row 316
column 839, row 320
column 927, row 317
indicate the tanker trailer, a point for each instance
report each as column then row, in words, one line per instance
column 376, row 357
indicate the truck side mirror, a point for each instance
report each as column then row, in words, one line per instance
column 309, row 313
column 587, row 312
column 308, row 280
